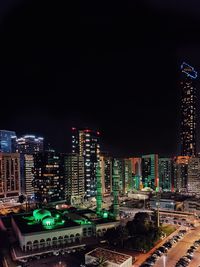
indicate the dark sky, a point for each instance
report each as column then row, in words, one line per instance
column 112, row 65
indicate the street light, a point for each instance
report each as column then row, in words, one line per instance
column 164, row 260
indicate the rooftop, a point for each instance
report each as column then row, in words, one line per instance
column 27, row 223
column 109, row 255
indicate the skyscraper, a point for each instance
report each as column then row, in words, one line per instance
column 7, row 141
column 48, row 177
column 188, row 111
column 136, row 172
column 166, row 172
column 193, row 185
column 106, row 173
column 9, row 175
column 29, row 144
column 27, row 174
column 181, row 173
column 74, row 178
column 86, row 143
column 150, row 171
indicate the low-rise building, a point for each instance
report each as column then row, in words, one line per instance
column 53, row 229
column 112, row 258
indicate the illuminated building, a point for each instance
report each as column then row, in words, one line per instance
column 136, row 165
column 150, row 171
column 188, row 111
column 9, row 175
column 86, row 143
column 181, row 173
column 193, row 184
column 127, row 172
column 48, row 177
column 166, row 172
column 99, row 189
column 116, row 190
column 106, row 173
column 74, row 178
column 46, row 230
column 125, row 175
column 27, row 174
column 29, row 144
column 7, row 141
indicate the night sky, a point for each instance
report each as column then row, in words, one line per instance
column 111, row 65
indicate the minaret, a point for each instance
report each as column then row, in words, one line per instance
column 116, row 191
column 99, row 188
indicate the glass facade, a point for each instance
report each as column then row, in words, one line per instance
column 7, row 141
column 188, row 111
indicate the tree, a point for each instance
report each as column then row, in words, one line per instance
column 22, row 198
column 100, row 262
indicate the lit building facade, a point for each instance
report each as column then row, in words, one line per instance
column 74, row 178
column 125, row 175
column 181, row 173
column 48, row 177
column 106, row 173
column 27, row 174
column 166, row 172
column 136, row 165
column 7, row 141
column 150, row 171
column 188, row 111
column 29, row 144
column 9, row 175
column 86, row 144
column 193, row 185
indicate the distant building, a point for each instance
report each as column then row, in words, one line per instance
column 188, row 110
column 166, row 172
column 181, row 173
column 106, row 173
column 29, row 144
column 136, row 164
column 125, row 175
column 74, row 178
column 9, row 175
column 27, row 174
column 150, row 171
column 85, row 142
column 48, row 177
column 7, row 141
column 193, row 183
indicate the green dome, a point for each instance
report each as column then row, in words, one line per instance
column 48, row 221
column 39, row 215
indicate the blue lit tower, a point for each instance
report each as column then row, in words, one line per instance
column 115, row 190
column 188, row 110
column 99, row 188
column 7, row 141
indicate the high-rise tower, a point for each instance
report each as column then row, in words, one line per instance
column 86, row 143
column 188, row 111
column 115, row 190
column 99, row 188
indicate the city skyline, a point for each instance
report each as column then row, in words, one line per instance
column 103, row 77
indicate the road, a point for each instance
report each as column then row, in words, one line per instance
column 180, row 249
column 142, row 257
